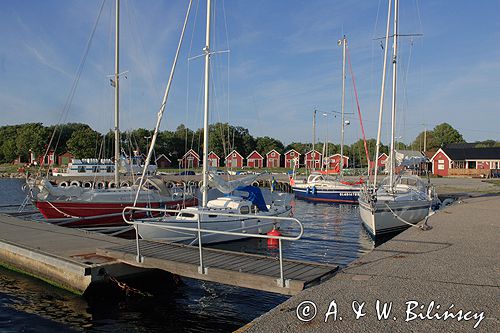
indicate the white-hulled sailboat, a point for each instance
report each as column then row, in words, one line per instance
column 98, row 208
column 241, row 198
column 399, row 201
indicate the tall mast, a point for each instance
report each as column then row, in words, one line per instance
column 382, row 94
column 314, row 139
column 394, row 77
column 117, row 95
column 343, row 41
column 206, row 50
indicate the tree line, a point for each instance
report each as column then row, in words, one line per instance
column 84, row 142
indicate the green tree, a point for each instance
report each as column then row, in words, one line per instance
column 84, row 143
column 8, row 146
column 31, row 136
column 444, row 134
column 265, row 144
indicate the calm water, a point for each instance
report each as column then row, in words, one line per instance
column 333, row 234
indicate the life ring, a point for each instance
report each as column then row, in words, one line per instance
column 124, row 184
column 112, row 185
column 101, row 185
column 87, row 184
column 75, row 183
column 63, row 184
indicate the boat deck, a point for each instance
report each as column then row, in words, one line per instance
column 227, row 267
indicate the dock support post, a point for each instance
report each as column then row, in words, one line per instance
column 201, row 269
column 139, row 258
column 281, row 281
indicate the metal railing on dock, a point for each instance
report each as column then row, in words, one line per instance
column 281, row 282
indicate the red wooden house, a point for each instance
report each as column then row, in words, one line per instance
column 213, row 160
column 234, row 160
column 273, row 159
column 65, row 158
column 163, row 161
column 291, row 158
column 255, row 160
column 382, row 159
column 312, row 159
column 191, row 159
column 50, row 158
column 465, row 160
column 333, row 161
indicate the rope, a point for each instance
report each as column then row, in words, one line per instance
column 60, row 211
column 126, row 288
column 423, row 227
column 359, row 110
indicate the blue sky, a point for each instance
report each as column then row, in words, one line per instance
column 283, row 63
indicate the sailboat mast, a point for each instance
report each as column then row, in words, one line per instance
column 382, row 95
column 394, row 85
column 314, row 140
column 206, row 50
column 117, row 95
column 341, row 165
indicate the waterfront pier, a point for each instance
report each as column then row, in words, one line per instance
column 75, row 259
column 451, row 270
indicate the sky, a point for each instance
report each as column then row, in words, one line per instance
column 274, row 63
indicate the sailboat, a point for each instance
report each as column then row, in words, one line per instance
column 399, row 201
column 321, row 186
column 241, row 198
column 97, row 208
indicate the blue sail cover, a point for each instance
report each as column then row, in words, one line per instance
column 255, row 196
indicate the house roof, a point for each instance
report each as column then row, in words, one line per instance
column 212, row 153
column 462, row 154
column 272, row 150
column 191, row 152
column 164, row 156
column 293, row 151
column 311, row 151
column 255, row 152
column 337, row 155
column 234, row 151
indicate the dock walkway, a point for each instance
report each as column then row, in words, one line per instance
column 422, row 274
column 228, row 267
column 74, row 259
column 64, row 257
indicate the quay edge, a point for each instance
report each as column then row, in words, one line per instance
column 52, row 254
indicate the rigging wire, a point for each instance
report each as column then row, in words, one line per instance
column 72, row 91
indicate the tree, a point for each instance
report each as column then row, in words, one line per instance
column 265, row 144
column 8, row 147
column 84, row 143
column 31, row 136
column 444, row 134
column 418, row 144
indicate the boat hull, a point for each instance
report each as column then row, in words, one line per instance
column 380, row 220
column 327, row 195
column 250, row 225
column 98, row 214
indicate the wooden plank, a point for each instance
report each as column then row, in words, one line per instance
column 239, row 269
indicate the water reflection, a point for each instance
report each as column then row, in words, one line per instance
column 333, row 234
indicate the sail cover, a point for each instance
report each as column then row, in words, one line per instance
column 226, row 187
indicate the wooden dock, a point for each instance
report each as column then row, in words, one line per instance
column 64, row 257
column 227, row 267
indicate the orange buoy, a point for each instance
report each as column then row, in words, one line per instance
column 273, row 242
